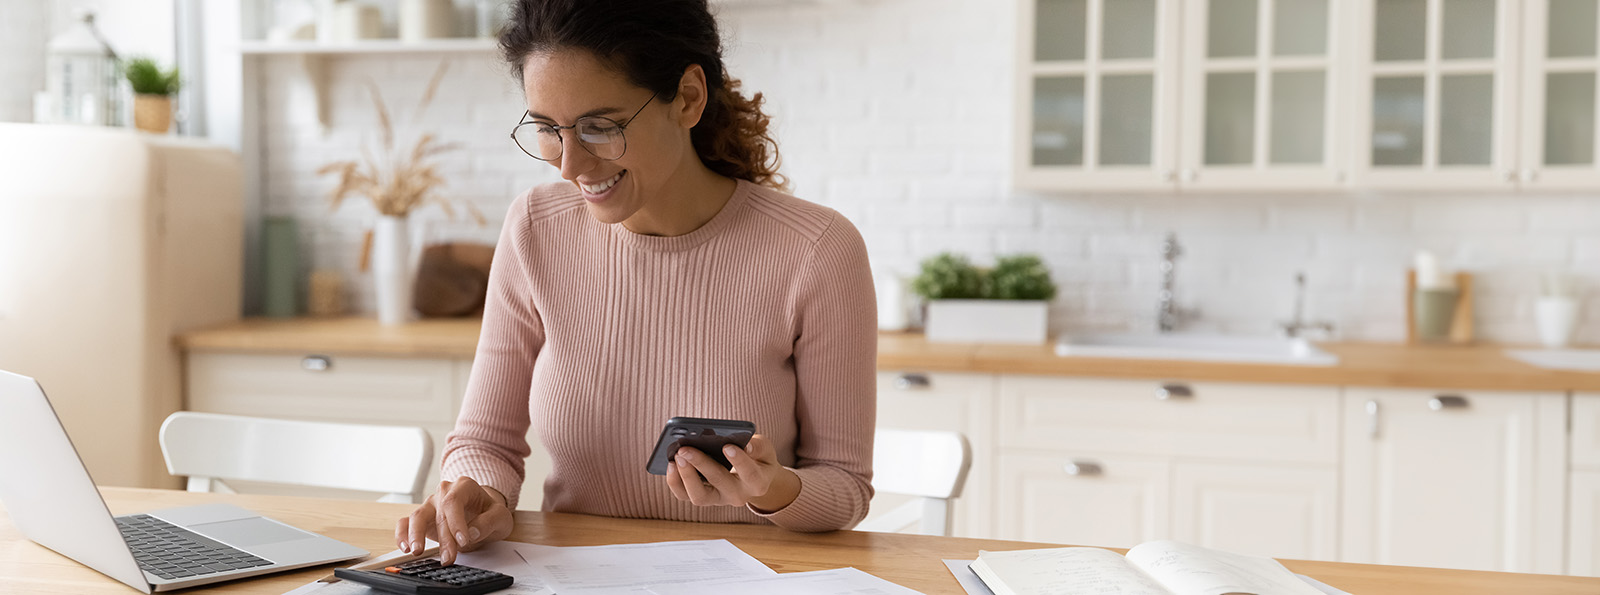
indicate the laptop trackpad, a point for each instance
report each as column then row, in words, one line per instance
column 249, row 532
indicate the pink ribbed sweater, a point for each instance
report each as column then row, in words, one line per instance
column 596, row 336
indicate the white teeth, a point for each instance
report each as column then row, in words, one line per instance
column 603, row 186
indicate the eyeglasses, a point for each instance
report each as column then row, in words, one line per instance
column 600, row 135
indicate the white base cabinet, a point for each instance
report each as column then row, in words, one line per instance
column 1467, row 480
column 1248, row 468
column 950, row 402
column 1583, row 528
column 423, row 392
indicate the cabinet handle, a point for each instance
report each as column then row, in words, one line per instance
column 1443, row 402
column 1190, row 175
column 912, row 381
column 1372, row 419
column 316, row 363
column 1168, row 392
column 1083, row 469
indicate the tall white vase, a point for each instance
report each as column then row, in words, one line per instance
column 391, row 269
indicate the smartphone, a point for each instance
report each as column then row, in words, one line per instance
column 708, row 435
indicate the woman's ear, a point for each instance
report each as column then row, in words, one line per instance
column 692, row 91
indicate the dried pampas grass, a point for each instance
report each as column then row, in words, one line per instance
column 411, row 180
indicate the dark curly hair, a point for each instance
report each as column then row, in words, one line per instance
column 651, row 42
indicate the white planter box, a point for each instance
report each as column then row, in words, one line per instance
column 988, row 321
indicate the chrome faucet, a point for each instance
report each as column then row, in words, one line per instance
column 1169, row 316
column 1294, row 328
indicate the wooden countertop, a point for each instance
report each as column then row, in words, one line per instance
column 1482, row 367
column 909, row 560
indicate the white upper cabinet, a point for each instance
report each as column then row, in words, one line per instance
column 1558, row 113
column 1097, row 94
column 1260, row 95
column 1437, row 94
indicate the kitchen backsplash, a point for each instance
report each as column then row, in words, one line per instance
column 897, row 113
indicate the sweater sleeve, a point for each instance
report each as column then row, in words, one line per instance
column 835, row 357
column 489, row 442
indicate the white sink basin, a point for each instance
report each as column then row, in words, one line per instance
column 1577, row 360
column 1206, row 348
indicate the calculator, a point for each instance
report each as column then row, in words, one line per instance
column 428, row 577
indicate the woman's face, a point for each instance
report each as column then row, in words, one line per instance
column 564, row 85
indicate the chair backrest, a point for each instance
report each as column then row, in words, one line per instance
column 929, row 465
column 212, row 448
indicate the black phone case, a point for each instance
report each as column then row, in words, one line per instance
column 708, row 435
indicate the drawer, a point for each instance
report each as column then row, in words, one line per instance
column 1189, row 420
column 933, row 401
column 370, row 389
column 1586, row 431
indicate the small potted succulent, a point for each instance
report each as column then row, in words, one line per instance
column 152, row 94
column 1009, row 303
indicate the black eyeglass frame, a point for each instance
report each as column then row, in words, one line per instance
column 621, row 128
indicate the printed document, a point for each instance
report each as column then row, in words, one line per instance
column 839, row 581
column 631, row 568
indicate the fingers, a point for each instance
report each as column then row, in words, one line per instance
column 418, row 527
column 722, row 482
column 493, row 525
column 402, row 529
column 750, row 472
column 458, row 508
column 675, row 481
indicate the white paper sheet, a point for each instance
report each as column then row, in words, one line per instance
column 501, row 557
column 967, row 579
column 839, row 581
column 630, row 568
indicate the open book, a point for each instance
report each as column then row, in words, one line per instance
column 1150, row 568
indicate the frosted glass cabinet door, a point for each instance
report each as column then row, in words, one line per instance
column 1097, row 94
column 1434, row 101
column 1259, row 79
column 1560, row 64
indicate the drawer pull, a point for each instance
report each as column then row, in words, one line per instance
column 1083, row 469
column 1443, row 402
column 1173, row 391
column 316, row 363
column 1372, row 419
column 912, row 381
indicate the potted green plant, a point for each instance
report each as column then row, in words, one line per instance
column 152, row 93
column 1009, row 303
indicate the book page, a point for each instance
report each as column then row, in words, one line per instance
column 1194, row 570
column 1065, row 571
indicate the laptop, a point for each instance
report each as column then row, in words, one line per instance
column 50, row 497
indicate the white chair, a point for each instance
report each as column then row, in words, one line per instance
column 211, row 449
column 929, row 465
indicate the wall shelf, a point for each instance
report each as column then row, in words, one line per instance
column 371, row 46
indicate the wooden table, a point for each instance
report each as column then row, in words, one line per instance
column 909, row 560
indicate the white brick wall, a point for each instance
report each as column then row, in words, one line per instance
column 897, row 113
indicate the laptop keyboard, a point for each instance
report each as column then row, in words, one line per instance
column 172, row 552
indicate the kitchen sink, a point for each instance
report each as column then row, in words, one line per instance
column 1206, row 348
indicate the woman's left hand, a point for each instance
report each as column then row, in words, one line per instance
column 757, row 479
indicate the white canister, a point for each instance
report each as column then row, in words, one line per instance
column 426, row 19
column 1557, row 317
column 893, row 313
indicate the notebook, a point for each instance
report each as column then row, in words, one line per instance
column 1151, row 568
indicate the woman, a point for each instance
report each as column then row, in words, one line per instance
column 667, row 277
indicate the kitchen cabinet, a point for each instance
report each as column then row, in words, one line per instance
column 1583, row 545
column 416, row 391
column 1436, row 96
column 1559, row 67
column 1261, row 82
column 1249, row 468
column 1097, row 94
column 948, row 402
column 1459, row 479
column 1153, row 94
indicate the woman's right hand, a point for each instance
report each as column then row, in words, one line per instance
column 462, row 516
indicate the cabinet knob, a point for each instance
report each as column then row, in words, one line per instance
column 1443, row 402
column 912, row 381
column 316, row 363
column 1083, row 469
column 1168, row 392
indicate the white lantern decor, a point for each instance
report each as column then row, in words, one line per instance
column 83, row 78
